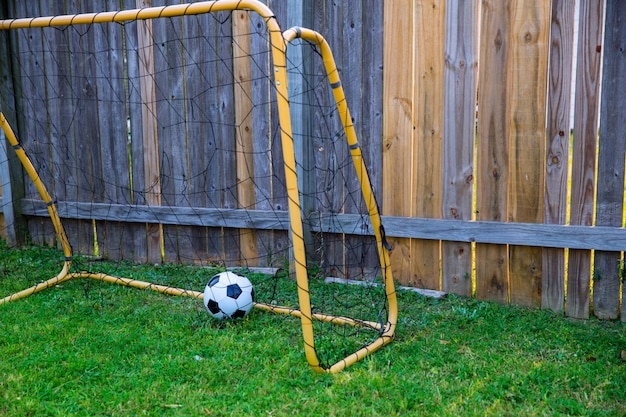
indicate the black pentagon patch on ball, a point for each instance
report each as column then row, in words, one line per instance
column 214, row 280
column 213, row 307
column 239, row 314
column 233, row 291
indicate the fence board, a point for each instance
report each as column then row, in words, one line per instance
column 459, row 129
column 225, row 149
column 557, row 147
column 114, row 239
column 492, row 170
column 242, row 71
column 329, row 19
column 7, row 216
column 33, row 122
column 428, row 78
column 586, row 109
column 135, row 234
column 610, row 192
column 149, row 152
column 359, row 257
column 370, row 99
column 398, row 127
column 278, row 199
column 12, row 226
column 197, row 134
column 168, row 47
column 84, row 141
column 528, row 69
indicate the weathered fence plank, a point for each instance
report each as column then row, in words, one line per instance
column 7, row 213
column 114, row 238
column 242, row 71
column 169, row 48
column 135, row 235
column 459, row 129
column 586, row 111
column 528, row 69
column 359, row 256
column 12, row 227
column 428, row 102
column 32, row 122
column 557, row 147
column 612, row 144
column 329, row 18
column 149, row 158
column 83, row 143
column 398, row 127
column 493, row 148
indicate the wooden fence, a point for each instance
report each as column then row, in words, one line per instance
column 464, row 110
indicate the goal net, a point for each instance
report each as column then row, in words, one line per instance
column 171, row 135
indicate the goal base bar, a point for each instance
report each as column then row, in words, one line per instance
column 384, row 339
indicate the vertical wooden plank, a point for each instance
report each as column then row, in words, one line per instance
column 352, row 64
column 428, row 76
column 557, row 147
column 199, row 32
column 267, row 163
column 12, row 224
column 281, row 243
column 459, row 129
column 112, row 240
column 586, row 112
column 168, row 44
column 356, row 42
column 62, row 116
column 29, row 89
column 149, row 133
column 370, row 124
column 135, row 234
column 242, row 72
column 612, row 144
column 528, row 68
column 7, row 213
column 32, row 124
column 398, row 125
column 331, row 154
column 493, row 148
column 226, row 136
column 83, row 144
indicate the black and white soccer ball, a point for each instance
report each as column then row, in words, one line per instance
column 228, row 296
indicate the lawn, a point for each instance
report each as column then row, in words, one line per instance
column 88, row 348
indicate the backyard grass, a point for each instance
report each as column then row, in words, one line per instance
column 88, row 348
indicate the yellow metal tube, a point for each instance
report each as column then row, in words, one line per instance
column 366, row 188
column 138, row 14
column 43, row 192
column 54, row 215
column 164, row 289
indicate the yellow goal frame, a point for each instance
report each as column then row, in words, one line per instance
column 279, row 42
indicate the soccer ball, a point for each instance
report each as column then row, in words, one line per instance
column 228, row 296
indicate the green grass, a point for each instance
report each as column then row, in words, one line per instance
column 94, row 349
